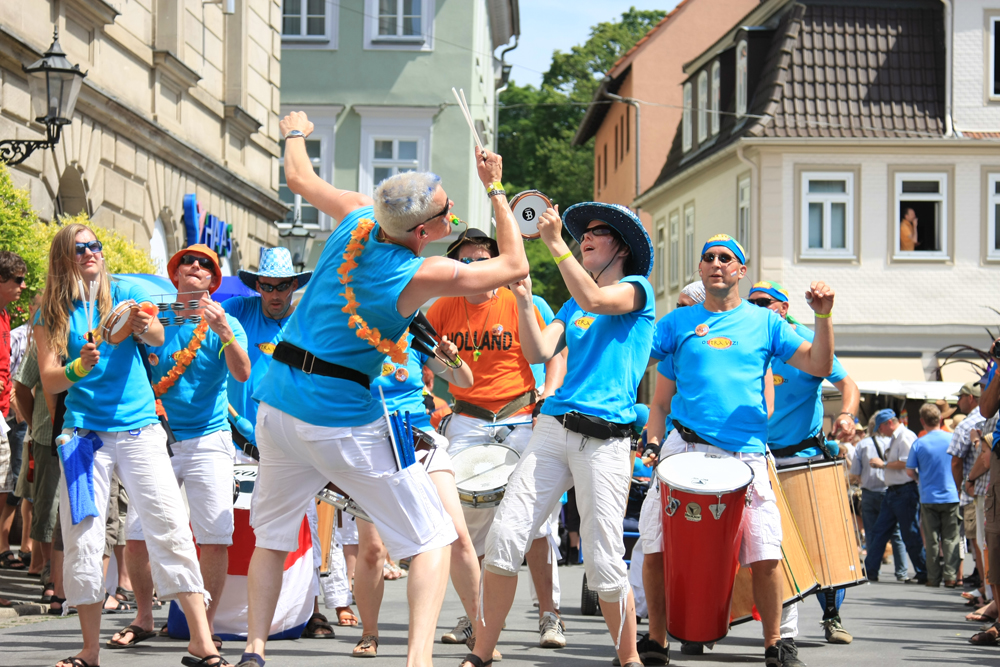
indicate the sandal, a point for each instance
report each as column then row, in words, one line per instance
column 163, row 632
column 345, row 616
column 46, row 598
column 980, row 618
column 217, row 640
column 121, row 607
column 125, row 595
column 366, row 648
column 985, row 638
column 77, row 662
column 9, row 561
column 471, row 644
column 58, row 612
column 476, row 661
column 138, row 635
column 191, row 661
column 316, row 623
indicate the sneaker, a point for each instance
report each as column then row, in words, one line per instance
column 651, row 652
column 783, row 654
column 460, row 634
column 835, row 632
column 550, row 630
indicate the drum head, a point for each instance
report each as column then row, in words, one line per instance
column 115, row 328
column 707, row 474
column 483, row 467
column 246, row 475
column 528, row 206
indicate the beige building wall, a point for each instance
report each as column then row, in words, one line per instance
column 179, row 99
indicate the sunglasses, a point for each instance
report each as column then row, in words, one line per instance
column 93, row 246
column 19, row 280
column 724, row 258
column 600, row 230
column 763, row 303
column 469, row 260
column 443, row 211
column 281, row 287
column 205, row 262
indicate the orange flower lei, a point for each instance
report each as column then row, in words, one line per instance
column 396, row 351
column 182, row 359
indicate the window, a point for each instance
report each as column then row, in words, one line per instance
column 690, row 259
column 675, row 250
column 743, row 212
column 922, row 215
column 741, row 79
column 399, row 24
column 393, row 156
column 686, row 119
column 309, row 22
column 597, row 174
column 617, row 131
column 994, row 57
column 301, row 209
column 702, row 107
column 605, row 165
column 827, row 214
column 716, row 95
column 393, row 140
column 628, row 131
column 661, row 256
column 993, row 217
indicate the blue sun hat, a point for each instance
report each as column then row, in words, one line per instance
column 274, row 263
column 624, row 221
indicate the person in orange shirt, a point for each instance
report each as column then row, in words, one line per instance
column 908, row 231
column 496, row 408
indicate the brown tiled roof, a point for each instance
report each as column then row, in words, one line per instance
column 981, row 135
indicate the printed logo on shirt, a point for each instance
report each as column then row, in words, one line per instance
column 584, row 322
column 266, row 348
column 778, row 380
column 701, row 330
column 387, row 368
column 719, row 343
column 481, row 340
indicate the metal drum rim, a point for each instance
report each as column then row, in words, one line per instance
column 701, row 492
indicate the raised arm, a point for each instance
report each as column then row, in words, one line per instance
column 460, row 376
column 303, row 180
column 537, row 345
column 816, row 358
column 237, row 360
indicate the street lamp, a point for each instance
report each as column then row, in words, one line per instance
column 54, row 84
column 295, row 238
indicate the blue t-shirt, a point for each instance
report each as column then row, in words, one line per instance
column 607, row 358
column 720, row 373
column 320, row 325
column 538, row 370
column 197, row 404
column 403, row 387
column 116, row 394
column 798, row 402
column 263, row 334
column 929, row 456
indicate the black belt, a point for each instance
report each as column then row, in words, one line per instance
column 687, row 435
column 309, row 363
column 519, row 403
column 818, row 440
column 899, row 486
column 593, row 427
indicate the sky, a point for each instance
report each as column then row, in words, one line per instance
column 550, row 25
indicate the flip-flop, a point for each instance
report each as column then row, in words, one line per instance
column 980, row 618
column 77, row 662
column 366, row 648
column 218, row 661
column 138, row 635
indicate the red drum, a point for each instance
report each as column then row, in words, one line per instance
column 703, row 498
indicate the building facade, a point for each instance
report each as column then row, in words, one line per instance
column 180, row 99
column 376, row 77
column 834, row 124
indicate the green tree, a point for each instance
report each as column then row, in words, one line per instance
column 536, row 128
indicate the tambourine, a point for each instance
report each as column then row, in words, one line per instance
column 115, row 328
column 528, row 206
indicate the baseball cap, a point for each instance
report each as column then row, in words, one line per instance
column 971, row 389
column 882, row 416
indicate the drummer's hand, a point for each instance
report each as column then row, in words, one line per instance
column 650, row 461
column 843, row 428
column 448, row 349
column 216, row 317
column 522, row 290
column 876, row 462
column 550, row 226
column 819, row 296
column 490, row 167
column 296, row 120
column 89, row 355
column 139, row 321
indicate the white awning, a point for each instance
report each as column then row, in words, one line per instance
column 919, row 391
column 877, row 369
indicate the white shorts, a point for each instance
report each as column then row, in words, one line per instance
column 298, row 459
column 347, row 533
column 204, row 465
column 761, row 526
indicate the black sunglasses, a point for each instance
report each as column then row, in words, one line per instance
column 723, row 258
column 93, row 246
column 205, row 262
column 600, row 230
column 18, row 279
column 469, row 260
column 281, row 287
column 763, row 303
column 444, row 211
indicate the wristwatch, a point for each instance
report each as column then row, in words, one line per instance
column 295, row 133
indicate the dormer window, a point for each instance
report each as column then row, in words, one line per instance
column 741, row 78
column 702, row 107
column 686, row 119
column 716, row 95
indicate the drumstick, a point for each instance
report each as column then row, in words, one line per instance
column 468, row 117
column 84, row 299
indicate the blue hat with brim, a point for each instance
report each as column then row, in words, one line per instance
column 622, row 220
column 275, row 263
column 882, row 416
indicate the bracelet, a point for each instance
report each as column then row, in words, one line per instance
column 75, row 370
column 820, row 316
column 495, row 192
column 293, row 134
column 224, row 345
column 456, row 364
column 562, row 258
column 849, row 414
column 495, row 185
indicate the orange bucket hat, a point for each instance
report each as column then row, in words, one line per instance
column 198, row 249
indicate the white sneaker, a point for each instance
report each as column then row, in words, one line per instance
column 550, row 630
column 460, row 634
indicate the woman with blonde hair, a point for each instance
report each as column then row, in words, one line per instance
column 110, row 426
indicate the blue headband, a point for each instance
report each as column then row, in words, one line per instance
column 774, row 290
column 727, row 241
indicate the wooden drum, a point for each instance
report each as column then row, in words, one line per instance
column 818, row 496
column 799, row 576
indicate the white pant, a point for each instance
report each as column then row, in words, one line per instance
column 140, row 459
column 556, row 459
column 635, row 579
column 761, row 526
column 204, row 465
column 298, row 459
column 347, row 534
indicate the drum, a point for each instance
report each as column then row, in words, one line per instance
column 799, row 577
column 703, row 497
column 481, row 473
column 333, row 496
column 115, row 327
column 527, row 207
column 324, row 530
column 817, row 495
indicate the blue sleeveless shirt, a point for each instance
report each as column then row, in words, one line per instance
column 320, row 326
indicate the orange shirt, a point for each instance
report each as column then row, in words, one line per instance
column 501, row 373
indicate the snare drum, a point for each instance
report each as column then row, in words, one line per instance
column 482, row 472
column 703, row 497
column 115, row 328
column 528, row 206
column 333, row 496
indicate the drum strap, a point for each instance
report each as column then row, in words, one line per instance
column 818, row 440
column 309, row 363
column 593, row 427
column 524, row 400
column 687, row 435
